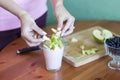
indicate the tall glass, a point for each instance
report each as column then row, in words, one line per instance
column 112, row 47
column 53, row 58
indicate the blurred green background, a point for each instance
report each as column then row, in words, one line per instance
column 89, row 10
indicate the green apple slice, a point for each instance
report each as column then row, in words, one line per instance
column 107, row 34
column 101, row 35
column 97, row 34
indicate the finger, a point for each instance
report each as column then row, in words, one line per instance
column 60, row 23
column 32, row 44
column 31, row 38
column 39, row 30
column 66, row 27
column 69, row 31
column 31, row 41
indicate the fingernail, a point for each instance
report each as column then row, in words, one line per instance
column 58, row 29
column 44, row 33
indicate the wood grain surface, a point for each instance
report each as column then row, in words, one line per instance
column 31, row 66
column 73, row 53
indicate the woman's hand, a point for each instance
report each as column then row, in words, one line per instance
column 30, row 32
column 65, row 20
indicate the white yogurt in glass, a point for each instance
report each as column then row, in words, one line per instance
column 53, row 58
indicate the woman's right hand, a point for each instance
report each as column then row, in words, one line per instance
column 30, row 32
column 29, row 29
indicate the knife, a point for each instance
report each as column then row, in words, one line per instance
column 28, row 49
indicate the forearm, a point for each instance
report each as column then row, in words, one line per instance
column 56, row 3
column 12, row 7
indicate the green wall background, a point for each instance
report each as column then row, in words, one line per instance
column 89, row 10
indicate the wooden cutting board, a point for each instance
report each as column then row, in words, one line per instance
column 73, row 54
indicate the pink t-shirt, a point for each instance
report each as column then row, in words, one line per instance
column 35, row 7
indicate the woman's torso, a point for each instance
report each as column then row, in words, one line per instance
column 36, row 8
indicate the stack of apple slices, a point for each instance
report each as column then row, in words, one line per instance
column 54, row 41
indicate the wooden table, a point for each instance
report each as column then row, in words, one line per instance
column 32, row 66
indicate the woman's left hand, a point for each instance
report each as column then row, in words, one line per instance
column 65, row 20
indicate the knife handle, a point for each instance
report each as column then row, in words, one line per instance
column 29, row 49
